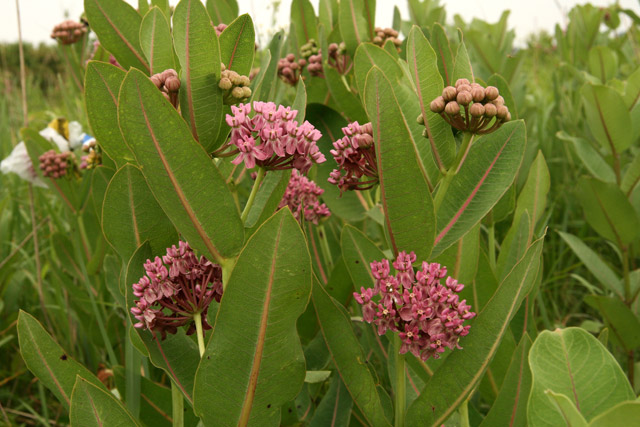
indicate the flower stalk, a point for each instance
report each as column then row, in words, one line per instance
column 252, row 195
column 401, row 387
column 197, row 318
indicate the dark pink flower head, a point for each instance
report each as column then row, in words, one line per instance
column 174, row 289
column 427, row 314
column 271, row 139
column 356, row 157
column 302, row 197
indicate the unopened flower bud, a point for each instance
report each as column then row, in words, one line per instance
column 460, row 82
column 291, row 57
column 477, row 93
column 491, row 93
column 498, row 102
column 225, row 84
column 237, row 92
column 302, row 62
column 244, row 81
column 476, row 110
column 464, row 98
column 502, row 112
column 449, row 93
column 437, row 105
column 156, row 80
column 420, row 119
column 452, row 108
column 463, row 88
column 490, row 110
column 246, row 92
column 172, row 84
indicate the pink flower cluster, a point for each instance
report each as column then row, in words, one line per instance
column 355, row 154
column 427, row 315
column 301, row 196
column 272, row 139
column 174, row 289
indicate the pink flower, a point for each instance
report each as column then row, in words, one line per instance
column 355, row 155
column 302, row 197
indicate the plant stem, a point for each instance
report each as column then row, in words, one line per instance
column 252, row 196
column 467, row 140
column 464, row 413
column 199, row 332
column 132, row 376
column 401, row 388
column 177, row 406
column 368, row 199
column 324, row 246
column 492, row 245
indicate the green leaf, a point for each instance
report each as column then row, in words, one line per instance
column 198, row 51
column 117, row 25
column 462, row 258
column 607, row 117
column 48, row 361
column 368, row 56
column 608, row 210
column 533, row 196
column 570, row 414
column 505, row 91
column 300, row 101
column 93, row 406
column 155, row 40
column 182, row 177
column 514, row 244
column 594, row 263
column 486, row 174
column 625, row 413
column 353, row 19
column 463, row 369
column 222, row 11
column 603, row 63
column 131, row 215
column 510, row 407
column 440, row 43
column 358, row 252
column 631, row 176
column 348, row 356
column 406, row 197
column 264, row 85
column 306, row 27
column 591, row 159
column 268, row 198
column 574, row 363
column 345, row 100
column 327, row 13
column 462, row 68
column 314, row 377
column 102, row 84
column 623, row 324
column 255, row 345
column 237, row 45
column 335, row 407
column 177, row 355
column 424, row 71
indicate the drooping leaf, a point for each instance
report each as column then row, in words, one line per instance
column 348, row 356
column 117, row 25
column 608, row 210
column 237, row 45
column 182, row 177
column 155, row 40
column 255, row 345
column 486, row 174
column 424, row 70
column 198, row 51
column 102, row 84
column 607, row 117
column 406, row 197
column 93, row 406
column 463, row 369
column 623, row 324
column 48, row 361
column 574, row 363
column 131, row 215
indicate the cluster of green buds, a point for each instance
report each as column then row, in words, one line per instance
column 469, row 107
column 384, row 34
column 309, row 48
column 169, row 84
column 236, row 87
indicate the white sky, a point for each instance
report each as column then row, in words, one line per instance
column 39, row 16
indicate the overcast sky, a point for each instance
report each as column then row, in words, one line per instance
column 39, row 16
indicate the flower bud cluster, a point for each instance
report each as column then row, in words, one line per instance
column 236, row 87
column 338, row 57
column 355, row 154
column 219, row 28
column 56, row 165
column 427, row 315
column 175, row 288
column 68, row 32
column 470, row 107
column 271, row 139
column 308, row 49
column 93, row 158
column 169, row 84
column 315, row 65
column 384, row 34
column 301, row 196
column 289, row 69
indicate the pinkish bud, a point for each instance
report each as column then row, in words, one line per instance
column 491, row 93
column 172, row 84
column 452, row 108
column 490, row 110
column 437, row 105
column 502, row 112
column 449, row 93
column 464, row 98
column 461, row 82
column 225, row 84
column 477, row 93
column 476, row 110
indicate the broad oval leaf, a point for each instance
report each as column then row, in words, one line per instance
column 608, row 117
column 93, row 406
column 608, row 211
column 367, row 56
column 574, row 363
column 48, row 361
column 237, row 45
column 424, row 71
column 117, row 25
column 488, row 171
column 131, row 215
column 348, row 356
column 406, row 197
column 463, row 369
column 198, row 50
column 254, row 344
column 625, row 413
column 181, row 176
column 155, row 39
column 567, row 408
column 603, row 63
